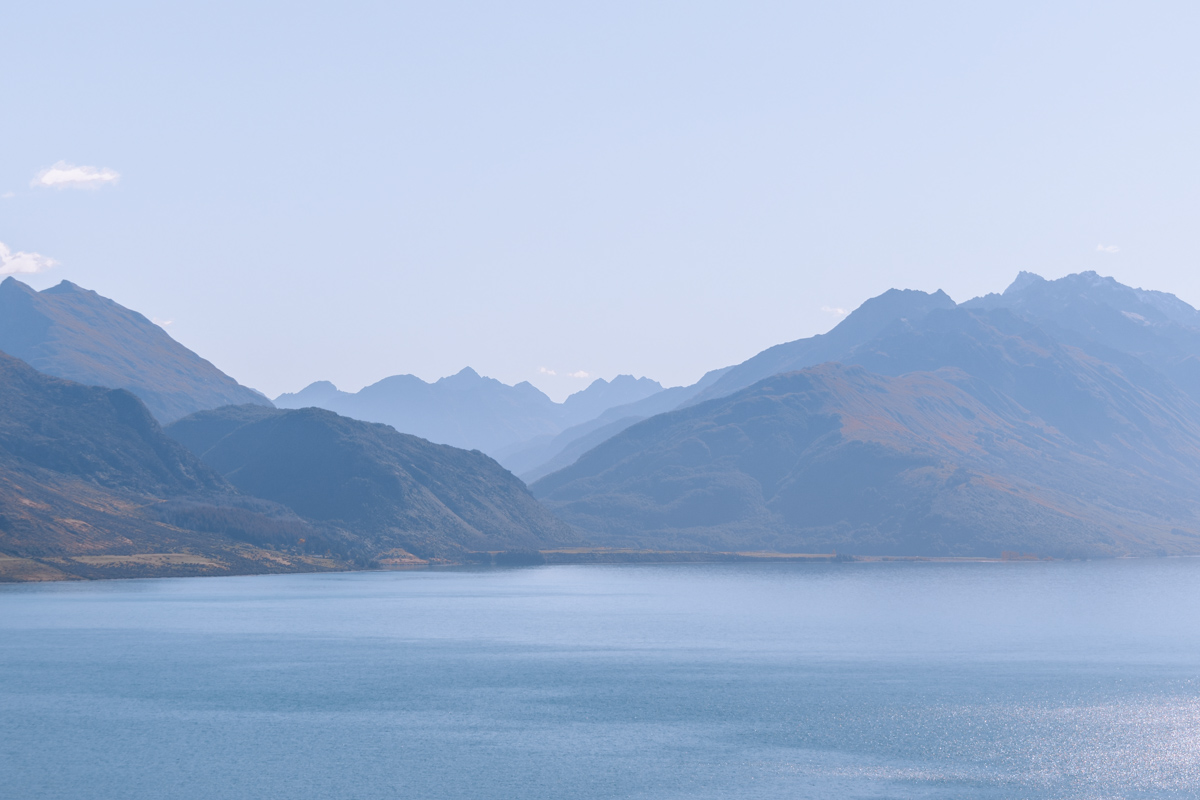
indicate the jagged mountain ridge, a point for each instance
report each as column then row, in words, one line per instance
column 470, row 411
column 1155, row 327
column 542, row 455
column 74, row 333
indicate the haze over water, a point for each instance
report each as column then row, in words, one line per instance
column 1033, row 680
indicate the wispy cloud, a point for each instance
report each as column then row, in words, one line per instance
column 545, row 371
column 1107, row 248
column 841, row 312
column 68, row 176
column 162, row 323
column 8, row 195
column 579, row 374
column 23, row 263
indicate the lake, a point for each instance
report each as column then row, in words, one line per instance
column 861, row 680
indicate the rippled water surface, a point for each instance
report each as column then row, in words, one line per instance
column 904, row 680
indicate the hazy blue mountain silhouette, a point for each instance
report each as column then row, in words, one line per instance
column 393, row 493
column 542, row 455
column 601, row 395
column 471, row 411
column 960, row 430
column 74, row 333
column 1089, row 310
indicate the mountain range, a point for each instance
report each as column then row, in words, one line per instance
column 74, row 333
column 962, row 431
column 471, row 411
column 1057, row 418
column 91, row 486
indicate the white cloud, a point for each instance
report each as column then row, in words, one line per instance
column 1107, row 248
column 579, row 374
column 162, row 323
column 8, row 195
column 23, row 263
column 841, row 312
column 63, row 175
column 545, row 371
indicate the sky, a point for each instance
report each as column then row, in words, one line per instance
column 555, row 192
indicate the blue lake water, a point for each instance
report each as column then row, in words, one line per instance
column 881, row 680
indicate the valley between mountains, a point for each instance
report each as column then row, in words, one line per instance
column 1056, row 419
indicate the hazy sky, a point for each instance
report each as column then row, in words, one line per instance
column 353, row 190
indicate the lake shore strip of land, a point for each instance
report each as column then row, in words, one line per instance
column 164, row 565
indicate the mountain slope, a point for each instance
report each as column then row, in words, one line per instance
column 89, row 486
column 1104, row 401
column 862, row 325
column 74, row 333
column 387, row 490
column 983, row 433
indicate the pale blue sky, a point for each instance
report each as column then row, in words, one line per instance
column 352, row 190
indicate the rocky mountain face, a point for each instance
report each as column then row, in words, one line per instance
column 1091, row 311
column 74, row 333
column 944, row 430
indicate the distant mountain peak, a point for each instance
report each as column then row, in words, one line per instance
column 11, row 284
column 601, row 395
column 895, row 304
column 470, row 410
column 863, row 324
column 66, row 287
column 629, row 380
column 74, row 333
column 1024, row 280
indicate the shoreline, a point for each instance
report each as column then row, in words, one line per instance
column 17, row 570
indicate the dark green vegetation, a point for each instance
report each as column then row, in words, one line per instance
column 74, row 333
column 963, row 431
column 396, row 495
